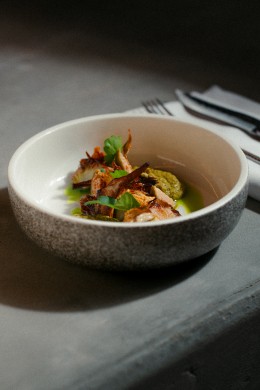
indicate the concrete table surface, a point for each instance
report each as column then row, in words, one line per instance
column 195, row 326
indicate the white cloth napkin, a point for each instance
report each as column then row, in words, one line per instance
column 235, row 135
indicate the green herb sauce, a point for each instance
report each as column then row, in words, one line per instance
column 75, row 195
column 191, row 200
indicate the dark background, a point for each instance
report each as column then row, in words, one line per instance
column 220, row 33
column 208, row 26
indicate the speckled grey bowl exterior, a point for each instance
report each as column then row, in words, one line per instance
column 126, row 246
column 110, row 247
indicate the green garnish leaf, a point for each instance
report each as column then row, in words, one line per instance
column 111, row 146
column 118, row 173
column 103, row 200
column 126, row 202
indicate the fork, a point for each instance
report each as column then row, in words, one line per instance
column 156, row 106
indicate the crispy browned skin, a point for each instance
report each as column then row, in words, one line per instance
column 121, row 156
column 114, row 187
column 81, row 184
column 100, row 180
column 94, row 209
column 89, row 209
column 85, row 172
column 128, row 144
column 82, row 177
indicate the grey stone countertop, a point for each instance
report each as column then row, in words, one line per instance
column 195, row 326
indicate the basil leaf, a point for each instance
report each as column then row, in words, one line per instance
column 103, row 200
column 125, row 202
column 111, row 146
column 118, row 173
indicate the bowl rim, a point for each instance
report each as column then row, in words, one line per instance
column 240, row 184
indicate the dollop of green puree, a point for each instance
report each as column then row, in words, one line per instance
column 167, row 182
column 186, row 196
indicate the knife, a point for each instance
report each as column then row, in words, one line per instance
column 245, row 122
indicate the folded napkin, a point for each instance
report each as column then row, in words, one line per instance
column 231, row 100
column 238, row 103
column 234, row 134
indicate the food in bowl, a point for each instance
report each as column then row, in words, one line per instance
column 42, row 168
column 114, row 190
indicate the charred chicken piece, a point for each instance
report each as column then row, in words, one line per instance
column 116, row 185
column 88, row 166
column 121, row 156
column 100, row 180
column 156, row 210
column 154, row 190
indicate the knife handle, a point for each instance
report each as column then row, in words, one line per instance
column 219, row 113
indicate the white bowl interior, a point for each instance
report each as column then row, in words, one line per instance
column 41, row 168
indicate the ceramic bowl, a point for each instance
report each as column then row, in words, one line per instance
column 41, row 169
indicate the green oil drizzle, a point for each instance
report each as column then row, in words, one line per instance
column 191, row 201
column 76, row 211
column 75, row 195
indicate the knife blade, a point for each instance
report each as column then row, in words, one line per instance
column 246, row 123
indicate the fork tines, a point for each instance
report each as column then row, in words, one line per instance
column 156, row 106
